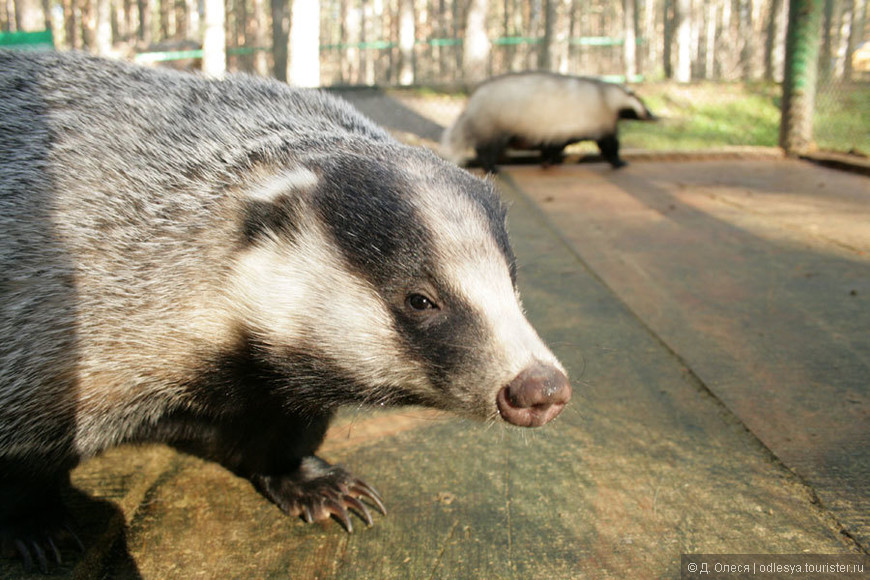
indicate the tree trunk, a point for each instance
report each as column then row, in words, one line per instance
column 710, row 46
column 214, row 40
column 89, row 24
column 667, row 45
column 858, row 14
column 545, row 56
column 258, row 30
column 145, row 35
column 69, row 24
column 303, row 70
column 684, row 41
column 29, row 15
column 103, row 40
column 406, row 42
column 801, row 69
column 280, row 36
column 193, row 20
column 475, row 50
column 826, row 54
column 629, row 48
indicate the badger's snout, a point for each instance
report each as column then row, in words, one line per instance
column 535, row 396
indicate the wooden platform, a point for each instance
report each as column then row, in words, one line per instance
column 715, row 319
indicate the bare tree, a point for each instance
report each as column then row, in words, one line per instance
column 406, row 42
column 29, row 16
column 144, row 6
column 747, row 38
column 214, row 40
column 774, row 42
column 303, row 69
column 475, row 50
column 545, row 57
column 103, row 33
column 258, row 31
column 629, row 24
column 683, row 17
column 856, row 26
column 280, row 36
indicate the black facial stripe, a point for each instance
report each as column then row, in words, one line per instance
column 448, row 342
column 281, row 216
column 363, row 203
column 250, row 375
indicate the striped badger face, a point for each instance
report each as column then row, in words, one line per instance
column 628, row 105
column 388, row 279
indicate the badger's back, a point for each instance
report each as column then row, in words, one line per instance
column 538, row 108
column 117, row 230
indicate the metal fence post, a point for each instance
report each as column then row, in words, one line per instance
column 801, row 71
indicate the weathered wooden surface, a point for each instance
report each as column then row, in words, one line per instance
column 758, row 276
column 644, row 465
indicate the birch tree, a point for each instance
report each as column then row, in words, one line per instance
column 406, row 42
column 214, row 40
column 629, row 53
column 475, row 49
column 303, row 68
column 683, row 14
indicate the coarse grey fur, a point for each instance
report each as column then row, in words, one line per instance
column 218, row 265
column 541, row 110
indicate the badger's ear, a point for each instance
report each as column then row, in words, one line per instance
column 273, row 206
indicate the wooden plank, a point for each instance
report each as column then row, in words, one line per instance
column 757, row 274
column 644, row 465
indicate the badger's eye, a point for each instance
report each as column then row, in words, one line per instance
column 420, row 302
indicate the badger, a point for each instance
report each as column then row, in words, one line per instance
column 544, row 111
column 219, row 266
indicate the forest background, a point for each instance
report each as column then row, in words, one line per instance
column 687, row 54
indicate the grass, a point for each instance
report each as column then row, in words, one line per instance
column 706, row 116
column 842, row 121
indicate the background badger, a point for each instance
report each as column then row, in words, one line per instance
column 541, row 110
column 218, row 266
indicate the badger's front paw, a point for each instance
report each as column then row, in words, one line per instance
column 318, row 491
column 36, row 541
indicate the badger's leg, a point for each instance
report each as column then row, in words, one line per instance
column 33, row 519
column 489, row 153
column 275, row 451
column 609, row 146
column 316, row 490
column 552, row 155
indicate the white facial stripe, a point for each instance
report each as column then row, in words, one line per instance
column 485, row 284
column 295, row 179
column 475, row 268
column 301, row 294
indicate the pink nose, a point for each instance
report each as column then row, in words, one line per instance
column 535, row 396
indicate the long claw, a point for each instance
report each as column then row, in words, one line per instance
column 40, row 557
column 307, row 515
column 368, row 490
column 75, row 537
column 367, row 493
column 55, row 552
column 338, row 510
column 360, row 508
column 26, row 558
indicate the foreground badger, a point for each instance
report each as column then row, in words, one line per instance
column 541, row 110
column 219, row 266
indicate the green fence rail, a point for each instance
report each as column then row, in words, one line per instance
column 151, row 57
column 23, row 40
